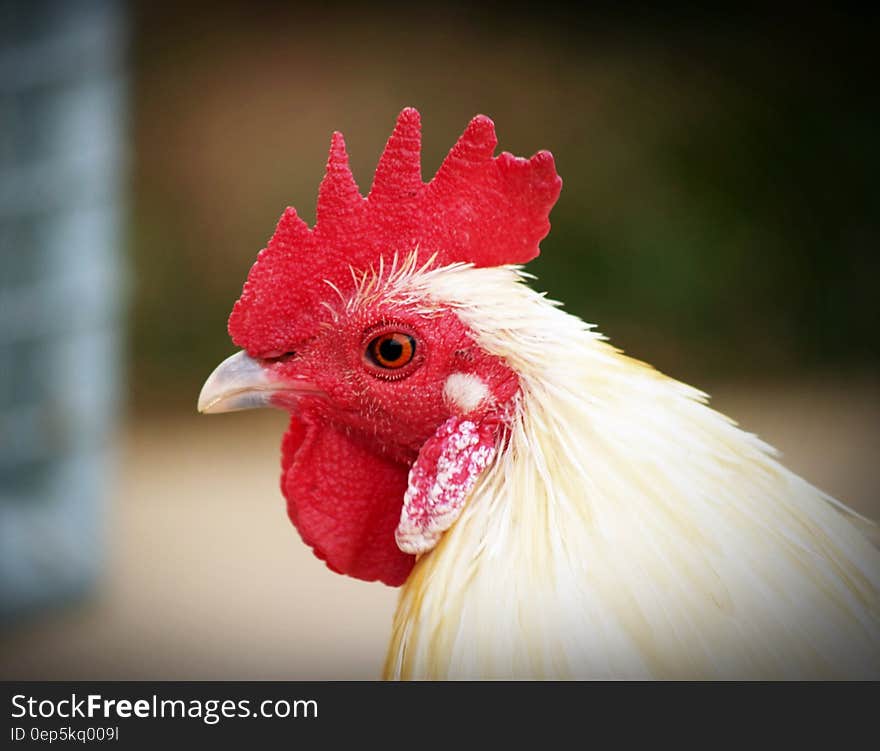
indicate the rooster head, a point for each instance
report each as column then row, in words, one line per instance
column 395, row 409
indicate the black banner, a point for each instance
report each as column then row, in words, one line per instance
column 142, row 714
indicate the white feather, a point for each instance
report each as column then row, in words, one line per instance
column 626, row 530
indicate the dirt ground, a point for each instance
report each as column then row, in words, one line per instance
column 208, row 580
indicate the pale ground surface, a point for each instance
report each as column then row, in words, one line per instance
column 208, row 580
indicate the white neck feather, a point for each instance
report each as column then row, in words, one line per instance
column 627, row 530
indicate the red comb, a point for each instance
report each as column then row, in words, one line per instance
column 479, row 208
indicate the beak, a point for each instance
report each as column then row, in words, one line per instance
column 241, row 382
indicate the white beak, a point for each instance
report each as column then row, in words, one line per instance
column 239, row 382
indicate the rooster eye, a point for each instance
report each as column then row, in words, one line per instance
column 392, row 350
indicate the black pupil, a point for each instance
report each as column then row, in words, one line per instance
column 390, row 349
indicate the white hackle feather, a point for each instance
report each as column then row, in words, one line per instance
column 625, row 530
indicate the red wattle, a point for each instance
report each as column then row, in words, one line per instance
column 345, row 501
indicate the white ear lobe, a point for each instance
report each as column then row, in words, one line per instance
column 447, row 468
column 465, row 391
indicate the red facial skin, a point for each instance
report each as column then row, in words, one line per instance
column 347, row 454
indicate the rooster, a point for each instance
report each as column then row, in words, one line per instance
column 551, row 507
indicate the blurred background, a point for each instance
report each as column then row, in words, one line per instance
column 720, row 219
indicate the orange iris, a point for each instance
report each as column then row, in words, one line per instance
column 392, row 350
